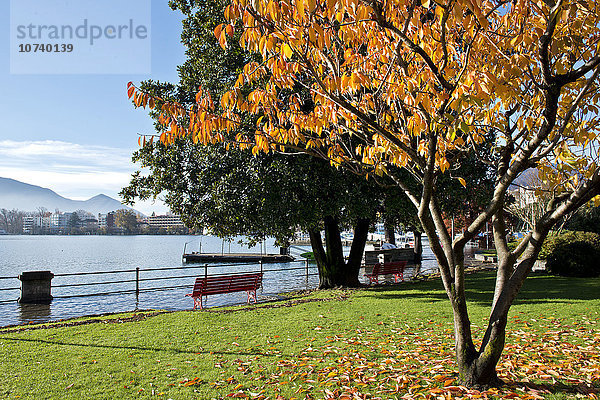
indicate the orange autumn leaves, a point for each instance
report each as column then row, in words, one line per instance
column 385, row 79
column 545, row 356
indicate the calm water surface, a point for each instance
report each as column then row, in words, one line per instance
column 79, row 254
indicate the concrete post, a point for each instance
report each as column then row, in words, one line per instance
column 36, row 287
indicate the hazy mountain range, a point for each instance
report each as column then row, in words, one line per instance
column 26, row 197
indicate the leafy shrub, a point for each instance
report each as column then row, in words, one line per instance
column 574, row 254
column 513, row 244
column 585, row 219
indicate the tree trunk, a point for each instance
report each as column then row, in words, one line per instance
column 361, row 232
column 480, row 371
column 390, row 234
column 477, row 368
column 418, row 246
column 334, row 271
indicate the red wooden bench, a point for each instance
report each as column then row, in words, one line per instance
column 395, row 268
column 219, row 284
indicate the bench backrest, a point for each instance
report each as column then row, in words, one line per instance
column 217, row 284
column 393, row 267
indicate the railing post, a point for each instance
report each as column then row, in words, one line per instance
column 261, row 272
column 306, row 264
column 137, row 281
column 205, row 277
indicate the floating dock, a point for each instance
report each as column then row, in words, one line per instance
column 235, row 258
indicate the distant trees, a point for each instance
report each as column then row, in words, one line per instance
column 126, row 220
column 74, row 224
column 11, row 221
column 74, row 221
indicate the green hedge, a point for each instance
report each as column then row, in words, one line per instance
column 575, row 254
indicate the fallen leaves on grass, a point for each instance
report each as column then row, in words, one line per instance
column 191, row 382
column 541, row 357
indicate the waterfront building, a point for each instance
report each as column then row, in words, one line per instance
column 84, row 215
column 28, row 224
column 524, row 196
column 165, row 221
column 36, row 225
column 59, row 221
column 106, row 221
column 89, row 224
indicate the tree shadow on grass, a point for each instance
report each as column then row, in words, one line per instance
column 143, row 348
column 556, row 388
column 538, row 288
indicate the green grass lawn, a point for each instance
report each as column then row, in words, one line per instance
column 381, row 343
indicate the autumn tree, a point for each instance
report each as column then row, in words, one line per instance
column 420, row 85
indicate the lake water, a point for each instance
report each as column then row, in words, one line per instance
column 156, row 256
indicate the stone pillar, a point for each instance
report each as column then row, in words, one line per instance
column 36, row 287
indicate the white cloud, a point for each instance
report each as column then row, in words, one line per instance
column 68, row 154
column 71, row 170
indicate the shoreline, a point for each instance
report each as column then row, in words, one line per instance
column 136, row 315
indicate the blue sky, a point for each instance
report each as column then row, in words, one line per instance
column 74, row 133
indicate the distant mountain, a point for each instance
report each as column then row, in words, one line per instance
column 528, row 178
column 26, row 197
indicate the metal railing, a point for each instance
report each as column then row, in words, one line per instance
column 135, row 284
column 2, row 278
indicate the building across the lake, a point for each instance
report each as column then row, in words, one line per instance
column 83, row 222
column 36, row 224
column 106, row 220
column 164, row 221
column 59, row 221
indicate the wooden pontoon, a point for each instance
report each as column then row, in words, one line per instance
column 235, row 258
